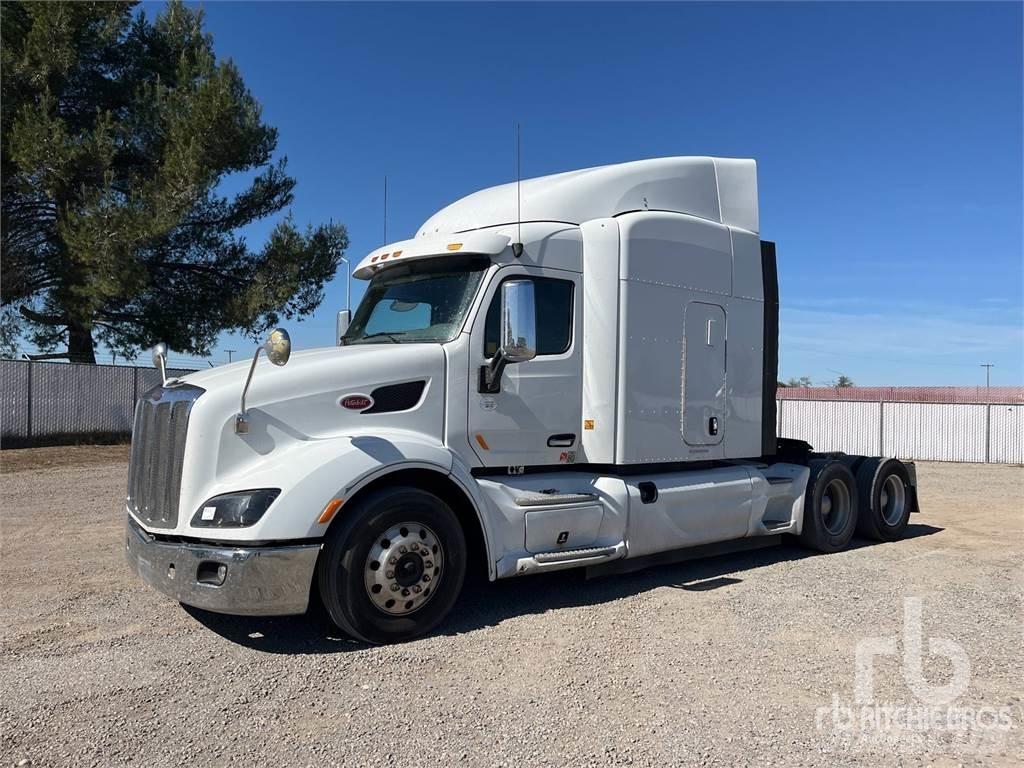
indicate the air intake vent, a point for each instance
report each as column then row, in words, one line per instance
column 158, row 448
column 396, row 397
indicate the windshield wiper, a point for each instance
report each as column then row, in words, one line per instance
column 378, row 335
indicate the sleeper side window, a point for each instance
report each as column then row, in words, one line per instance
column 554, row 316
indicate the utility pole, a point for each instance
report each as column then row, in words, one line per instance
column 230, row 352
column 988, row 380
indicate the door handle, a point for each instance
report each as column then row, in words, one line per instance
column 713, row 425
column 564, row 440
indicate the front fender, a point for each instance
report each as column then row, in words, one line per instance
column 311, row 473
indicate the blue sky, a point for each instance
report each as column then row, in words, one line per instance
column 888, row 139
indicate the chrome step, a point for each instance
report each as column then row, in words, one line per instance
column 573, row 554
column 554, row 499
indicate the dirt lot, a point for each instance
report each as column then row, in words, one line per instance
column 741, row 659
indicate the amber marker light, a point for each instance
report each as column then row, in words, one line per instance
column 332, row 506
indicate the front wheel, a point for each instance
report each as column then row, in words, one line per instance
column 393, row 565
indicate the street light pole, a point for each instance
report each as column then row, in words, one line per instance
column 230, row 352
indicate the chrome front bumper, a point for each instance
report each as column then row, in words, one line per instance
column 255, row 581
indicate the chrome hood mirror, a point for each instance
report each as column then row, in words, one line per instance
column 160, row 360
column 278, row 347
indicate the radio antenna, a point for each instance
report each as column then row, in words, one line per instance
column 517, row 247
column 385, row 209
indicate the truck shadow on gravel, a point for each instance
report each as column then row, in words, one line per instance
column 484, row 604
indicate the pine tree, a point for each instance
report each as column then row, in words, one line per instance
column 117, row 132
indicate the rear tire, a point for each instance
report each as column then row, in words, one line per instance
column 393, row 565
column 885, row 499
column 830, row 507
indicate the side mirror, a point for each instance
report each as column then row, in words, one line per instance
column 344, row 319
column 518, row 339
column 278, row 346
column 518, row 322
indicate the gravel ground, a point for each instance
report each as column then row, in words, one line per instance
column 740, row 659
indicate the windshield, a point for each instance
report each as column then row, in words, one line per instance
column 416, row 302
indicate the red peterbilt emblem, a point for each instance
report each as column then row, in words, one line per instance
column 356, row 402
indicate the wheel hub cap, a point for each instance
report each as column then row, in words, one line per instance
column 403, row 568
column 893, row 500
column 835, row 507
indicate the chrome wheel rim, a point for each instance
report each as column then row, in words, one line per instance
column 835, row 507
column 403, row 568
column 893, row 500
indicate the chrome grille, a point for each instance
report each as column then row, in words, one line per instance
column 158, row 448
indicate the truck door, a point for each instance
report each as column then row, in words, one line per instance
column 704, row 375
column 535, row 418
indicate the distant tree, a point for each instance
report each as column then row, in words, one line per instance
column 8, row 333
column 844, row 381
column 117, row 133
column 803, row 381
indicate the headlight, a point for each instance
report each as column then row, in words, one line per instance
column 235, row 510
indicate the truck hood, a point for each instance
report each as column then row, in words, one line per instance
column 302, row 400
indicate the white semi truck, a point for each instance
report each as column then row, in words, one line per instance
column 574, row 371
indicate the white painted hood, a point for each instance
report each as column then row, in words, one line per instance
column 301, row 400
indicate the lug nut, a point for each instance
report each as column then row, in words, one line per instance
column 428, row 564
column 393, row 560
column 403, row 549
column 389, row 574
column 394, row 587
column 417, row 588
column 426, row 577
column 405, row 593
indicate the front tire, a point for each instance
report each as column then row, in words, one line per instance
column 830, row 507
column 392, row 566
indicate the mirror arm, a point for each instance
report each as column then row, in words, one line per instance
column 163, row 370
column 490, row 374
column 241, row 422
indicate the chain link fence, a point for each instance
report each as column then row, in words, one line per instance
column 52, row 403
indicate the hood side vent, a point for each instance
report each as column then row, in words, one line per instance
column 396, row 397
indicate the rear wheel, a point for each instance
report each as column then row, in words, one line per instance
column 393, row 566
column 884, row 488
column 830, row 507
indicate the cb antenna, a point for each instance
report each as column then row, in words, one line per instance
column 517, row 247
column 385, row 209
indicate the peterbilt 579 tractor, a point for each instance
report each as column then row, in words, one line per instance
column 575, row 371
